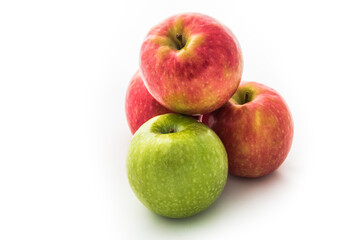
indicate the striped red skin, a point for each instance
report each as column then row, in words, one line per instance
column 257, row 135
column 199, row 78
column 140, row 106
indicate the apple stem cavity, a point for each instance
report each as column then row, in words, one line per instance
column 180, row 39
column 171, row 130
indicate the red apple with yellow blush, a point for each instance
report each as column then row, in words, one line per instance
column 140, row 106
column 191, row 63
column 256, row 128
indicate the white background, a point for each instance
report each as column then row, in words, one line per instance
column 64, row 69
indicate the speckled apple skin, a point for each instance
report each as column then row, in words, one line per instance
column 257, row 135
column 179, row 174
column 200, row 77
column 140, row 106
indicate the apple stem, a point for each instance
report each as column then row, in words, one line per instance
column 246, row 97
column 171, row 130
column 179, row 38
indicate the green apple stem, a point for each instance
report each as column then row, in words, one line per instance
column 180, row 39
column 171, row 130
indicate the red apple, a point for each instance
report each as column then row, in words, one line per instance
column 140, row 106
column 256, row 128
column 191, row 63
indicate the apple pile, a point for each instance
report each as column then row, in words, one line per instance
column 193, row 121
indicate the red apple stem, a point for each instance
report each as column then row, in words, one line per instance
column 180, row 39
column 246, row 97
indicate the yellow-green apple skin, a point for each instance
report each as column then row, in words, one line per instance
column 176, row 166
column 191, row 63
column 256, row 128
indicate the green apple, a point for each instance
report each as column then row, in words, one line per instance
column 176, row 166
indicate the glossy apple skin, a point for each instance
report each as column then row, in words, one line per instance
column 201, row 76
column 258, row 134
column 176, row 174
column 140, row 106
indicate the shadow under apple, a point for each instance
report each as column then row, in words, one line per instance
column 238, row 193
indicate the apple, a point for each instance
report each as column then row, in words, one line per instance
column 191, row 63
column 256, row 128
column 140, row 106
column 176, row 166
